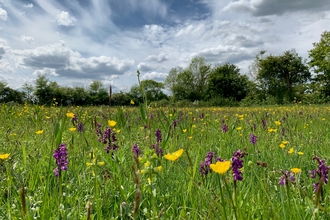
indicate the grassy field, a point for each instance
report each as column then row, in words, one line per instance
column 164, row 163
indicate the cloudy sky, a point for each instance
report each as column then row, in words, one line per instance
column 75, row 42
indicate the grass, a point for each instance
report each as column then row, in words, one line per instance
column 118, row 185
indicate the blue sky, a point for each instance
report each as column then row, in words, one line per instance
column 75, row 42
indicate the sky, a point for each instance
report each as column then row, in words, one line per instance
column 74, row 42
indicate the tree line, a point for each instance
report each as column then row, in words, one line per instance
column 273, row 79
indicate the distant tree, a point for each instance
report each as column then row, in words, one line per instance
column 45, row 90
column 225, row 81
column 98, row 93
column 171, row 79
column 320, row 62
column 28, row 90
column 279, row 74
column 9, row 95
column 190, row 83
column 152, row 89
column 121, row 99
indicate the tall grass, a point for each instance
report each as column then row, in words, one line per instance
column 120, row 185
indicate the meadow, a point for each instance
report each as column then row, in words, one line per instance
column 143, row 162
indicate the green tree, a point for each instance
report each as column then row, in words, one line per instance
column 320, row 62
column 190, row 83
column 8, row 94
column 225, row 81
column 278, row 75
column 98, row 94
column 45, row 90
column 152, row 89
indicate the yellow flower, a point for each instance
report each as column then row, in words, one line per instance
column 118, row 131
column 296, row 170
column 174, row 156
column 159, row 168
column 239, row 128
column 132, row 102
column 147, row 164
column 70, row 115
column 171, row 115
column 323, row 119
column 189, row 137
column 72, row 129
column 112, row 123
column 89, row 164
column 100, row 163
column 47, row 117
column 300, row 153
column 282, row 145
column 40, row 132
column 4, row 156
column 220, row 167
column 184, row 130
column 291, row 150
column 277, row 122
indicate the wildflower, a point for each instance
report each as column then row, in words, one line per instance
column 81, row 127
column 224, row 127
column 286, row 177
column 296, row 170
column 70, row 115
column 239, row 128
column 93, row 163
column 47, row 117
column 253, row 139
column 4, row 156
column 220, row 167
column 277, row 122
column 189, row 137
column 40, row 132
column 204, row 167
column 174, row 156
column 72, row 129
column 291, row 150
column 112, row 123
column 184, row 130
column 237, row 164
column 136, row 150
column 300, row 153
column 282, row 145
column 61, row 156
column 321, row 171
column 158, row 135
column 132, row 102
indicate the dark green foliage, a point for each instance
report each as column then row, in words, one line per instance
column 278, row 75
column 320, row 62
column 225, row 81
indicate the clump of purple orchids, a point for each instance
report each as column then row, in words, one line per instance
column 61, row 156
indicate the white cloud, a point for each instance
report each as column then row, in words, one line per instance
column 3, row 14
column 28, row 5
column 154, row 76
column 65, row 19
column 157, row 58
column 145, row 66
column 59, row 60
column 27, row 39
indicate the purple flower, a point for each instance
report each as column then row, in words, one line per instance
column 61, row 156
column 224, row 127
column 158, row 149
column 253, row 139
column 81, row 127
column 158, row 135
column 286, row 177
column 108, row 137
column 237, row 164
column 204, row 167
column 136, row 151
column 321, row 171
